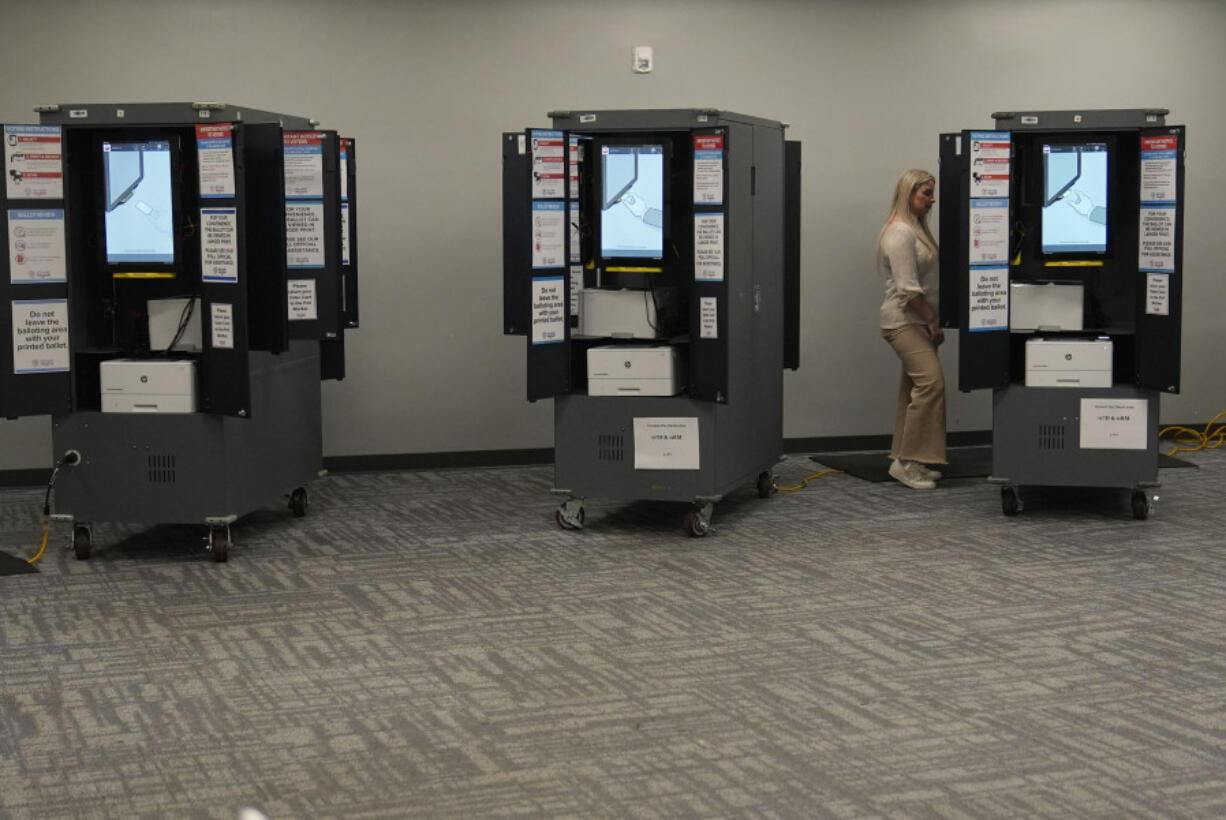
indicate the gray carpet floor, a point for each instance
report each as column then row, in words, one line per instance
column 431, row 644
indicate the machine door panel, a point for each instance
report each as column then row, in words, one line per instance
column 516, row 232
column 332, row 350
column 952, row 186
column 225, row 296
column 332, row 358
column 791, row 254
column 1160, row 261
column 710, row 293
column 313, row 234
column 260, row 171
column 35, row 346
column 536, row 253
column 349, row 231
column 983, row 353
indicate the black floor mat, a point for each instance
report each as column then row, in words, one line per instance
column 964, row 462
column 14, row 566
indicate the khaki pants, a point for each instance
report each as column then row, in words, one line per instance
column 919, row 426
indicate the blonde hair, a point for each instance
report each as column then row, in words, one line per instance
column 900, row 209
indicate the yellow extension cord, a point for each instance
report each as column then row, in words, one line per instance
column 805, row 481
column 1201, row 439
column 70, row 457
column 43, row 548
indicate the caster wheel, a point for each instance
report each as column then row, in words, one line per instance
column 298, row 502
column 567, row 522
column 220, row 545
column 1009, row 503
column 82, row 542
column 697, row 524
column 1140, row 506
column 766, row 485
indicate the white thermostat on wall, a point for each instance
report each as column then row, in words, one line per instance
column 642, row 60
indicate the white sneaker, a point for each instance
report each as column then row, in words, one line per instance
column 926, row 472
column 910, row 475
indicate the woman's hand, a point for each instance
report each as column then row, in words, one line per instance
column 920, row 306
column 936, row 333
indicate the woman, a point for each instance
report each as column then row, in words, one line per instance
column 907, row 259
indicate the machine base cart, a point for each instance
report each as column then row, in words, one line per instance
column 1055, row 436
column 595, row 455
column 188, row 468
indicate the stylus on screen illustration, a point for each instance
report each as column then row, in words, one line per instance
column 127, row 192
column 610, row 201
column 1072, row 181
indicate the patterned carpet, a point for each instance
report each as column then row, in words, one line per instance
column 431, row 644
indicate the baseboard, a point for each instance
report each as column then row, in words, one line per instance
column 24, row 478
column 437, row 461
column 849, row 444
column 544, row 455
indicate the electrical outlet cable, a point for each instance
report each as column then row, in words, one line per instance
column 71, row 457
column 804, row 482
column 1188, row 440
column 185, row 317
column 43, row 548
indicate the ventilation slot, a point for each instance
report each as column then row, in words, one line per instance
column 610, row 447
column 161, row 469
column 1051, row 436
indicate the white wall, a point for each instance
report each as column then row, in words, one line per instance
column 427, row 88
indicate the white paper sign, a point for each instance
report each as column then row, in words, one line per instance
column 575, row 256
column 709, row 169
column 304, row 164
column 215, row 157
column 709, row 247
column 36, row 246
column 708, row 317
column 666, row 444
column 548, row 165
column 40, row 335
column 1157, row 243
column 990, row 163
column 576, row 288
column 219, row 244
column 1158, row 294
column 989, row 231
column 304, row 234
column 302, row 300
column 33, row 162
column 344, row 233
column 1158, row 169
column 1114, row 424
column 988, row 308
column 548, row 234
column 344, row 169
column 548, row 310
column 576, row 156
column 222, row 325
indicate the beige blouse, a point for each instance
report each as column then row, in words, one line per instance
column 909, row 267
